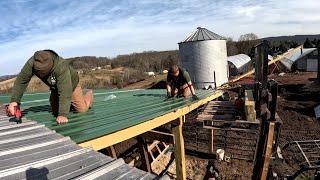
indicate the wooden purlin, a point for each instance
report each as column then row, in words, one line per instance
column 270, row 62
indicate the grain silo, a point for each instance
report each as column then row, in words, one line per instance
column 204, row 55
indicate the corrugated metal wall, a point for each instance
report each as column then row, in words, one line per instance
column 312, row 65
column 203, row 59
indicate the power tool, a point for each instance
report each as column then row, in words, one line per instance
column 17, row 114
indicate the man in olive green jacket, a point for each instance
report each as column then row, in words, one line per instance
column 62, row 80
column 179, row 83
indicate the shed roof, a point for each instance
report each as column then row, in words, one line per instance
column 127, row 108
column 239, row 60
column 202, row 34
column 290, row 59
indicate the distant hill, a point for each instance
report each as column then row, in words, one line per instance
column 297, row 38
column 6, row 77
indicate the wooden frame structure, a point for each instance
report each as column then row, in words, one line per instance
column 133, row 131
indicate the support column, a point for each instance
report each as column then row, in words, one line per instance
column 179, row 152
column 143, row 148
column 112, row 152
column 268, row 152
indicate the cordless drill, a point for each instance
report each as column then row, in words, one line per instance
column 17, row 114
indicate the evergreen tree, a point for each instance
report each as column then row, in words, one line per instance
column 294, row 44
column 283, row 47
column 314, row 42
column 307, row 44
column 318, row 43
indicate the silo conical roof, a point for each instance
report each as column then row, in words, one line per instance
column 202, row 34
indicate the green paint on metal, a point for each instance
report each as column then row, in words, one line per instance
column 130, row 107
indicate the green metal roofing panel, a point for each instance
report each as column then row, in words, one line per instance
column 128, row 108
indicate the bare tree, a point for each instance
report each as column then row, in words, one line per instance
column 246, row 42
column 232, row 48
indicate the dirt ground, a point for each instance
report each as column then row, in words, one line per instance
column 298, row 95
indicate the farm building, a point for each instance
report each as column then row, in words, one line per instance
column 304, row 60
column 239, row 64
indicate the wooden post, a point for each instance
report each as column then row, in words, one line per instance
column 211, row 134
column 112, row 152
column 268, row 152
column 318, row 69
column 143, row 148
column 179, row 152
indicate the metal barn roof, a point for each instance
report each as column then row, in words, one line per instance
column 290, row 59
column 127, row 108
column 239, row 60
column 202, row 34
column 32, row 151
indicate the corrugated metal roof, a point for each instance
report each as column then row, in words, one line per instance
column 202, row 34
column 128, row 108
column 290, row 59
column 32, row 151
column 239, row 60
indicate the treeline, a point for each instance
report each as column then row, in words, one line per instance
column 87, row 62
column 6, row 77
column 246, row 43
column 147, row 61
column 135, row 65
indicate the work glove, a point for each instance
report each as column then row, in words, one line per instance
column 195, row 97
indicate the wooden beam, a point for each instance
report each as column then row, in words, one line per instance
column 112, row 152
column 268, row 151
column 159, row 136
column 214, row 116
column 179, row 152
column 142, row 144
column 133, row 131
column 211, row 136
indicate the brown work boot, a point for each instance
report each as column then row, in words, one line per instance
column 89, row 98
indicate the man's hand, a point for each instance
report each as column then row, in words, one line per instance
column 62, row 119
column 195, row 97
column 11, row 106
column 169, row 95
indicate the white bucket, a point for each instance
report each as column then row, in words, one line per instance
column 220, row 154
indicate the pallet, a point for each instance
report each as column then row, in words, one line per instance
column 154, row 147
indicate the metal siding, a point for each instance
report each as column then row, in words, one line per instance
column 312, row 64
column 202, row 59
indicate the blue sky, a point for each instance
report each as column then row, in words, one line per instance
column 109, row 28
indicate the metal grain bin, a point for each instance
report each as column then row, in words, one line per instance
column 204, row 55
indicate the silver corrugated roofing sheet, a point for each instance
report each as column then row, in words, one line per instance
column 202, row 34
column 239, row 60
column 290, row 59
column 32, row 151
